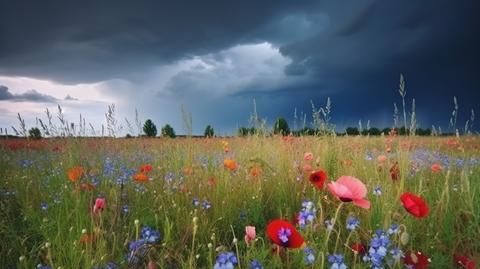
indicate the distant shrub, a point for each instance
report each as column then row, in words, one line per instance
column 149, row 128
column 209, row 132
column 35, row 133
column 167, row 130
column 281, row 127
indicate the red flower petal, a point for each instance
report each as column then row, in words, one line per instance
column 358, row 248
column 416, row 259
column 295, row 240
column 464, row 262
column 414, row 204
column 318, row 178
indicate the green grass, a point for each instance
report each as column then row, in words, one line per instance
column 238, row 199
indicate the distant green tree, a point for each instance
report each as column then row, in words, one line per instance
column 352, row 131
column 149, row 128
column 209, row 132
column 424, row 132
column 34, row 133
column 386, row 131
column 281, row 127
column 243, row 131
column 167, row 130
column 374, row 131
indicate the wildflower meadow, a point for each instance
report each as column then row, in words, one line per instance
column 241, row 202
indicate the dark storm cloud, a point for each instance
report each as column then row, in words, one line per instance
column 29, row 96
column 83, row 41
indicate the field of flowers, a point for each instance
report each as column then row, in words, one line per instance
column 254, row 202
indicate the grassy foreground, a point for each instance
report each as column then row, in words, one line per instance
column 191, row 210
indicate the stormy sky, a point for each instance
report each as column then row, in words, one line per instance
column 215, row 57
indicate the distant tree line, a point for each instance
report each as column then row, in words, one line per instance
column 281, row 127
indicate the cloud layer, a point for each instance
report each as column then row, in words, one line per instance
column 29, row 96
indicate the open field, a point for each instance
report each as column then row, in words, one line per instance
column 185, row 203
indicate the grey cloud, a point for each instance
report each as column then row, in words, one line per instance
column 29, row 96
column 92, row 41
column 70, row 98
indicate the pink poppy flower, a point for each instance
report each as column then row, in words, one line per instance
column 308, row 156
column 381, row 158
column 250, row 234
column 99, row 205
column 436, row 168
column 307, row 168
column 350, row 189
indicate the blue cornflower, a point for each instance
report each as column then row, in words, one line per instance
column 377, row 191
column 138, row 249
column 111, row 265
column 225, row 260
column 195, row 202
column 336, row 261
column 206, row 204
column 378, row 249
column 283, row 234
column 242, row 215
column 352, row 223
column 169, row 177
column 309, row 257
column 307, row 214
column 43, row 206
column 108, row 167
column 394, row 229
column 125, row 209
column 150, row 235
column 255, row 264
column 26, row 163
column 95, row 181
column 397, row 253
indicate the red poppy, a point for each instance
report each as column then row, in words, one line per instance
column 395, row 171
column 256, row 171
column 358, row 248
column 212, row 182
column 284, row 234
column 85, row 238
column 140, row 177
column 146, row 168
column 187, row 170
column 318, row 178
column 414, row 204
column 152, row 265
column 87, row 186
column 416, row 260
column 464, row 262
column 75, row 173
column 436, row 168
column 230, row 164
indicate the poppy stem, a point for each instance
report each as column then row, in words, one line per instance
column 236, row 247
column 329, row 231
